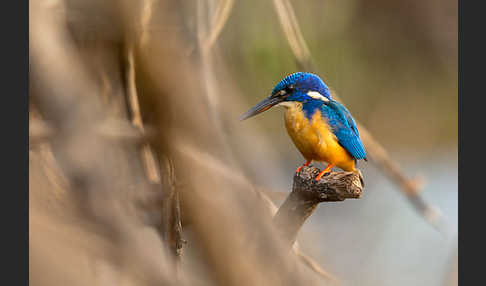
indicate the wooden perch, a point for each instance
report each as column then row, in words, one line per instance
column 307, row 193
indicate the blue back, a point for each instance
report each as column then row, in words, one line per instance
column 344, row 127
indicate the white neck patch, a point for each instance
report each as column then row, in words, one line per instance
column 289, row 104
column 317, row 95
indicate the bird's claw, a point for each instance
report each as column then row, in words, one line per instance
column 307, row 163
column 327, row 170
column 318, row 177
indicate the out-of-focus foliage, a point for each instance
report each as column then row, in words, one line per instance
column 97, row 218
column 393, row 63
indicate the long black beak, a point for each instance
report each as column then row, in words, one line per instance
column 265, row 104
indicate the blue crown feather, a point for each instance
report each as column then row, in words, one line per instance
column 303, row 82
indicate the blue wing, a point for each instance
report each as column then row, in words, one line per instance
column 344, row 127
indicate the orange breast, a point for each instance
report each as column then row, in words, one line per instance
column 314, row 139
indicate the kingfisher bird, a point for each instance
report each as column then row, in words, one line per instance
column 321, row 128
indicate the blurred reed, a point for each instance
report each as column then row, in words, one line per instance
column 109, row 222
column 132, row 142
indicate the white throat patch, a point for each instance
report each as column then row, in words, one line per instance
column 289, row 104
column 317, row 95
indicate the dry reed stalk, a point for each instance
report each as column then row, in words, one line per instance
column 66, row 94
column 210, row 25
column 148, row 157
column 147, row 11
column 171, row 227
column 290, row 26
column 218, row 21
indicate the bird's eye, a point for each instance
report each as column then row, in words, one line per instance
column 284, row 92
column 290, row 88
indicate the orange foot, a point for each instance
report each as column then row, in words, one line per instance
column 306, row 164
column 327, row 170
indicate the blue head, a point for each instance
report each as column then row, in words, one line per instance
column 305, row 88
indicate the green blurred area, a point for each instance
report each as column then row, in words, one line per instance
column 393, row 63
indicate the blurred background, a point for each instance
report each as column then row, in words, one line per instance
column 394, row 65
column 180, row 73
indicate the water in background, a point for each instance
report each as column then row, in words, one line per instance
column 380, row 239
